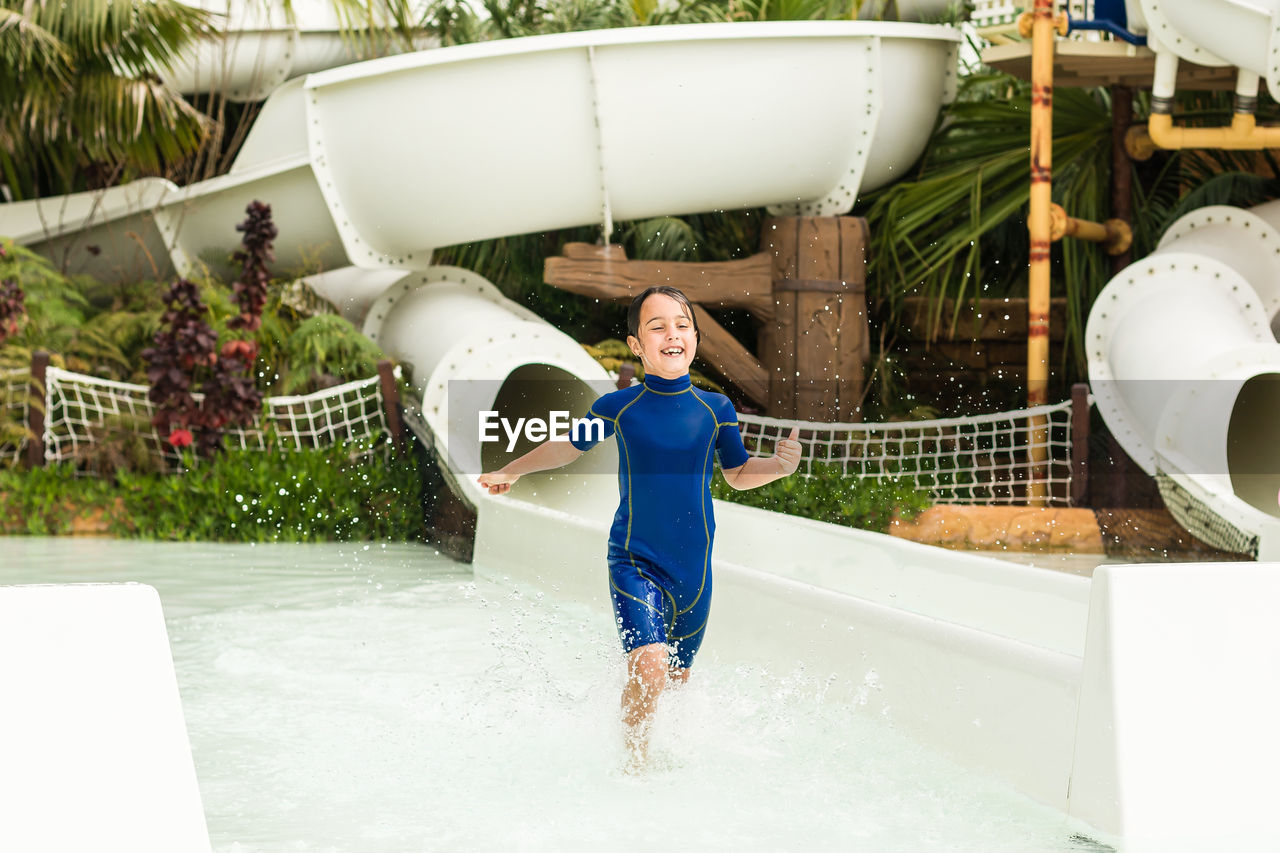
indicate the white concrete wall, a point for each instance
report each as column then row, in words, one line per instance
column 94, row 753
column 1177, row 744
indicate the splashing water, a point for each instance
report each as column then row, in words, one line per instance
column 340, row 699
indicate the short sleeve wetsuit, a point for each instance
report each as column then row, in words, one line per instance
column 660, row 543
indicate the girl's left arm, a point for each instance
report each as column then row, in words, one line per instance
column 759, row 470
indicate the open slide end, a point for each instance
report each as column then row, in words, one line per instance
column 534, row 393
column 1253, row 454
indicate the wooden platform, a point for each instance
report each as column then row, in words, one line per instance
column 1142, row 535
column 1104, row 63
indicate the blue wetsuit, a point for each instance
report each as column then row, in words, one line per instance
column 660, row 543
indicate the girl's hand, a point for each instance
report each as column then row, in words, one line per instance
column 497, row 482
column 787, row 452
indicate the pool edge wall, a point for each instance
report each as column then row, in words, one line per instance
column 96, row 752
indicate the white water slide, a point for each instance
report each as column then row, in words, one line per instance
column 1047, row 679
column 263, row 44
column 1183, row 358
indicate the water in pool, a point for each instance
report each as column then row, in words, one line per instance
column 380, row 698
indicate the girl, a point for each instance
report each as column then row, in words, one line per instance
column 660, row 542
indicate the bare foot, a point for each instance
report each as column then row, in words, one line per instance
column 635, row 742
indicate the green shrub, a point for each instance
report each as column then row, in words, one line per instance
column 238, row 496
column 830, row 496
column 47, row 501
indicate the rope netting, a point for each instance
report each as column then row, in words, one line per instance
column 982, row 459
column 1203, row 523
column 81, row 409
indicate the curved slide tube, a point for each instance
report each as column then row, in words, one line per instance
column 1243, row 33
column 263, row 44
column 1185, row 368
column 379, row 163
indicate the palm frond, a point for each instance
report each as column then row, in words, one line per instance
column 931, row 235
column 664, row 238
column 26, row 46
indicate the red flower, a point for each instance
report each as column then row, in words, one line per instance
column 180, row 438
column 244, row 350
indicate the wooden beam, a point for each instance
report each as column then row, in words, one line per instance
column 728, row 357
column 1104, row 63
column 603, row 272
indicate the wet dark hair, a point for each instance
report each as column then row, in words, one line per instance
column 633, row 313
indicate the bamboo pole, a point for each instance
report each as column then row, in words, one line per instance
column 1039, row 224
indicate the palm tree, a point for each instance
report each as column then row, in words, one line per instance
column 85, row 105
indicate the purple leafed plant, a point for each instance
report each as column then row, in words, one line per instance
column 13, row 308
column 186, row 356
column 251, row 288
column 230, row 397
column 183, row 345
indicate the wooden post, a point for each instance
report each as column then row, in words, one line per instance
column 391, row 402
column 1080, row 444
column 820, row 339
column 37, row 401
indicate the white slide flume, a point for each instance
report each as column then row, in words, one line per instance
column 377, row 164
column 1185, row 368
column 262, row 44
column 1243, row 33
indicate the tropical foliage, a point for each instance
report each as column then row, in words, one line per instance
column 956, row 229
column 239, row 496
column 80, row 81
column 459, row 22
column 830, row 496
column 13, row 308
column 101, row 329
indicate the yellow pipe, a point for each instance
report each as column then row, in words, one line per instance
column 1115, row 235
column 1243, row 134
column 1039, row 226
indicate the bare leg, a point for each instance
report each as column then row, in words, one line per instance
column 647, row 675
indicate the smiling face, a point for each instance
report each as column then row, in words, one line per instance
column 666, row 342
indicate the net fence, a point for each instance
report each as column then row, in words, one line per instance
column 981, row 459
column 82, row 410
column 1203, row 523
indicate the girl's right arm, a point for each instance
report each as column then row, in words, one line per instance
column 544, row 457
